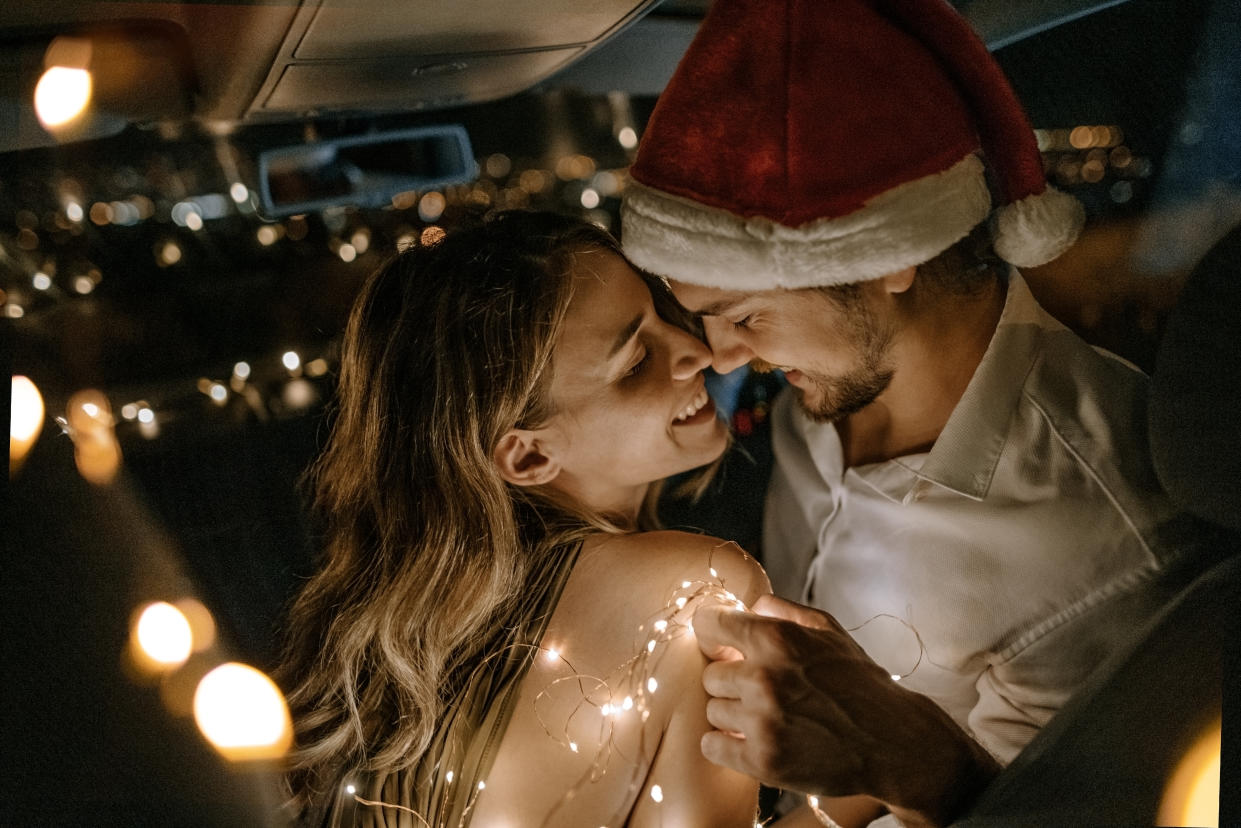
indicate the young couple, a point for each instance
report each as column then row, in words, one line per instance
column 497, row 636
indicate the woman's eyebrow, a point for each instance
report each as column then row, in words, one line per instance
column 626, row 334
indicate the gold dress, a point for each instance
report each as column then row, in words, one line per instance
column 440, row 789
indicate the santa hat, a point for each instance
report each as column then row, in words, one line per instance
column 821, row 142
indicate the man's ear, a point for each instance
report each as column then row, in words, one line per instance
column 521, row 459
column 900, row 281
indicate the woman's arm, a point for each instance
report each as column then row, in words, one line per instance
column 682, row 788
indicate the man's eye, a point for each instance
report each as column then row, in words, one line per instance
column 637, row 366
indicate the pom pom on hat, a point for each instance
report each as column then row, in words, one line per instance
column 817, row 142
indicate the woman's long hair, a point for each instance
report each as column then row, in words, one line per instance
column 447, row 347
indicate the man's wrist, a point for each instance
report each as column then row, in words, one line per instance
column 955, row 799
column 946, row 787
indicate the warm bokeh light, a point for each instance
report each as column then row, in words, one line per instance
column 25, row 420
column 431, row 206
column 95, row 448
column 202, row 624
column 1192, row 795
column 167, row 253
column 299, row 394
column 242, row 713
column 163, row 636
column 62, row 95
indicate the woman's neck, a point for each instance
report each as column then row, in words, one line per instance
column 601, row 499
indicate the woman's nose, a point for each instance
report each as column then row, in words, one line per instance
column 689, row 354
column 728, row 351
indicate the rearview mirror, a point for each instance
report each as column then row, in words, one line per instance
column 363, row 170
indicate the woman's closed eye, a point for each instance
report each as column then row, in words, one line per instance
column 743, row 322
column 637, row 367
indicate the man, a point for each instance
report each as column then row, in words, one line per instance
column 839, row 190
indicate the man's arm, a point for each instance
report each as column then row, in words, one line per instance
column 805, row 708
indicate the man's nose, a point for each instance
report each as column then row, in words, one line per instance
column 689, row 355
column 728, row 351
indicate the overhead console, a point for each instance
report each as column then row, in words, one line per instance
column 342, row 55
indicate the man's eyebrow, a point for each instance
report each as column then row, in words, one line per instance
column 718, row 308
column 626, row 334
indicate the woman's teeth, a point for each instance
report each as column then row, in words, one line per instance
column 694, row 407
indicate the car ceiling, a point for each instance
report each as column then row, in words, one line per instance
column 251, row 61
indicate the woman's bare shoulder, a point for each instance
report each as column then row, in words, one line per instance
column 656, row 563
column 705, row 557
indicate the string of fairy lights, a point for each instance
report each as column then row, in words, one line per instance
column 626, row 692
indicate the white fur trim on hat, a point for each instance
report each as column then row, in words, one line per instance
column 905, row 226
column 1038, row 228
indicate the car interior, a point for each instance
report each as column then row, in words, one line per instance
column 192, row 193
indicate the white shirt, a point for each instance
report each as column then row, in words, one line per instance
column 1021, row 548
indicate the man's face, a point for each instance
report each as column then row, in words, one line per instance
column 835, row 351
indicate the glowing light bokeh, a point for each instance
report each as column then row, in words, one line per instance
column 62, row 95
column 25, row 420
column 96, row 451
column 163, row 634
column 242, row 713
column 1192, row 793
column 202, row 624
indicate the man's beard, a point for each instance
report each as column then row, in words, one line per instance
column 844, row 394
column 840, row 396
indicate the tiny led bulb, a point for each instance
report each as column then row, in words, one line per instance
column 553, row 654
column 657, row 793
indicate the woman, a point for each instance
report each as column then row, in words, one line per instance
column 490, row 639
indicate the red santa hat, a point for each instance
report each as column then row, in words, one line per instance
column 820, row 142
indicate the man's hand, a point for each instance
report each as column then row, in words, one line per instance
column 805, row 708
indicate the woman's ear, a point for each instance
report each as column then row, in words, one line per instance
column 521, row 459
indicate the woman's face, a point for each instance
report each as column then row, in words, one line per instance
column 627, row 389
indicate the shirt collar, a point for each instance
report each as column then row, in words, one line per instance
column 967, row 451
